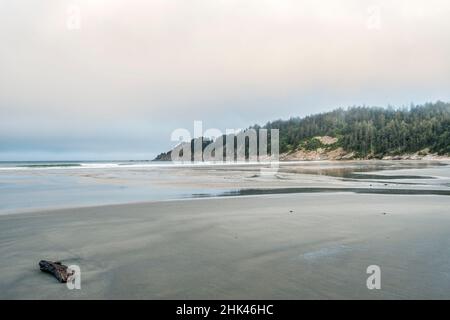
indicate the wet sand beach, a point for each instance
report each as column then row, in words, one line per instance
column 297, row 246
column 309, row 231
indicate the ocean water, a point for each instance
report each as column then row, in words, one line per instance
column 24, row 165
column 30, row 186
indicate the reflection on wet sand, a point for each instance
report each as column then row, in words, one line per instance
column 85, row 186
column 249, row 192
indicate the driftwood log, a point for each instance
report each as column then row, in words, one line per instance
column 56, row 268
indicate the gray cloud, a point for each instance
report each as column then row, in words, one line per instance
column 136, row 70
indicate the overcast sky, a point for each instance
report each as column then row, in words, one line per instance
column 111, row 79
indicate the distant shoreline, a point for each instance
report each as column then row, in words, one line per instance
column 286, row 159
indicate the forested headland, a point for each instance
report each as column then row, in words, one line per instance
column 367, row 132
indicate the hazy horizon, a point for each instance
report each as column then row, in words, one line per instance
column 110, row 80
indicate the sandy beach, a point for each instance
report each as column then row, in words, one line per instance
column 296, row 246
column 224, row 151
